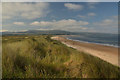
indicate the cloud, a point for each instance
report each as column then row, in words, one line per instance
column 64, row 23
column 72, row 6
column 3, row 30
column 115, row 17
column 87, row 15
column 19, row 23
column 107, row 23
column 92, row 4
column 35, row 23
column 23, row 30
column 93, row 1
column 81, row 16
column 69, row 24
column 6, row 17
column 91, row 14
column 24, row 10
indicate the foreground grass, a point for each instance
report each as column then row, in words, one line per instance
column 41, row 57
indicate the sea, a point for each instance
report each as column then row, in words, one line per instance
column 97, row 38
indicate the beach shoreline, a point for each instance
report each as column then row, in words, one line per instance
column 93, row 43
column 106, row 53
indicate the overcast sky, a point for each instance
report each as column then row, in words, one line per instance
column 75, row 17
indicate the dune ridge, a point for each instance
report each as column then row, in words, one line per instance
column 107, row 53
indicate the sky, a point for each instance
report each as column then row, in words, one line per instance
column 69, row 16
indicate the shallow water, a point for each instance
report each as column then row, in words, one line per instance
column 98, row 38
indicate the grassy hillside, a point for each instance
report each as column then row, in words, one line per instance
column 41, row 57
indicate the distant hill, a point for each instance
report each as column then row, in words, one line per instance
column 57, row 32
column 51, row 32
column 43, row 32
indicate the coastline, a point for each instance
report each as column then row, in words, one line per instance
column 106, row 53
column 94, row 43
column 65, row 36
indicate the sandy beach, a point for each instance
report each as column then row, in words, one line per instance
column 106, row 53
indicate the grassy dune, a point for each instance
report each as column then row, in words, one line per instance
column 41, row 57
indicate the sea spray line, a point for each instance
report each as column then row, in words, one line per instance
column 94, row 43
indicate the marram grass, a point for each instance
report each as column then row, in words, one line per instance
column 41, row 57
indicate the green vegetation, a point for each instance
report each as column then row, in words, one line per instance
column 41, row 57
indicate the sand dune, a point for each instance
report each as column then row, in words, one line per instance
column 107, row 53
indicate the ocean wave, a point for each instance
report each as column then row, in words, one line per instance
column 94, row 43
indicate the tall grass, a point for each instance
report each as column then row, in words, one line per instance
column 41, row 57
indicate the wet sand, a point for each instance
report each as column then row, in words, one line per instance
column 107, row 53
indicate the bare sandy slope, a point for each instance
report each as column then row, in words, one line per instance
column 107, row 53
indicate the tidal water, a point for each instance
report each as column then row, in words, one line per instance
column 98, row 38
